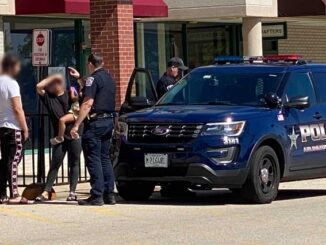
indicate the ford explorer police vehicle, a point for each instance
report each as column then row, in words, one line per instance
column 244, row 125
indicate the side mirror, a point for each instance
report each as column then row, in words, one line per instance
column 273, row 101
column 140, row 101
column 298, row 102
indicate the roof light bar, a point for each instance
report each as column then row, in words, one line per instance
column 293, row 58
column 222, row 60
column 282, row 58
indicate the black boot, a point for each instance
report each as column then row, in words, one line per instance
column 109, row 199
column 92, row 201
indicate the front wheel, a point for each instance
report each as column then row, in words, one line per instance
column 264, row 177
column 135, row 191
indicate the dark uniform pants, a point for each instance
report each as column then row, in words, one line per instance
column 11, row 155
column 96, row 142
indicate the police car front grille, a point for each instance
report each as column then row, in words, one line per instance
column 175, row 132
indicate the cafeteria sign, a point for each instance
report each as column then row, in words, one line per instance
column 277, row 31
column 41, row 55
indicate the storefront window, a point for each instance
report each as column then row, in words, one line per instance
column 151, row 49
column 198, row 44
column 207, row 42
column 270, row 47
column 155, row 44
column 18, row 39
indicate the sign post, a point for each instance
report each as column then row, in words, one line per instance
column 41, row 56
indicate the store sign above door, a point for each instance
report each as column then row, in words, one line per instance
column 275, row 31
column 41, row 54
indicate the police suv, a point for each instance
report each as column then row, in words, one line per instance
column 242, row 124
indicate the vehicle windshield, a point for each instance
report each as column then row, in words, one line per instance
column 222, row 88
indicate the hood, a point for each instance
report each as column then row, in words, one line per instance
column 195, row 114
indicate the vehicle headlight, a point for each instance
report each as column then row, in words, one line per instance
column 224, row 128
column 122, row 129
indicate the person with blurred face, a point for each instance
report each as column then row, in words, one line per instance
column 173, row 73
column 13, row 129
column 53, row 94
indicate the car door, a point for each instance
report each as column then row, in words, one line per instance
column 303, row 127
column 140, row 93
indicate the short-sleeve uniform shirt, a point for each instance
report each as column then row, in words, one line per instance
column 9, row 89
column 165, row 83
column 101, row 87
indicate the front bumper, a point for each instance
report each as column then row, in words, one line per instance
column 192, row 163
column 196, row 174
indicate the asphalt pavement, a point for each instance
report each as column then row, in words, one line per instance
column 213, row 217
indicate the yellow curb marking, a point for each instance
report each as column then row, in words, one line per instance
column 108, row 212
column 22, row 214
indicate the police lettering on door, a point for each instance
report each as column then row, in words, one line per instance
column 310, row 133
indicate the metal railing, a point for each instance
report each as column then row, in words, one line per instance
column 38, row 154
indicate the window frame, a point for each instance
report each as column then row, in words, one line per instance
column 287, row 84
column 319, row 101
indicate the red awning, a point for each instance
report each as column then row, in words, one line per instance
column 142, row 8
column 150, row 8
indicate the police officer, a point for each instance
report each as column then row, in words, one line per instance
column 173, row 72
column 98, row 106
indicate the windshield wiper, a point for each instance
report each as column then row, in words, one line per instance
column 170, row 104
column 215, row 103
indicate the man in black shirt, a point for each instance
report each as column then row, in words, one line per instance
column 56, row 99
column 99, row 106
column 170, row 77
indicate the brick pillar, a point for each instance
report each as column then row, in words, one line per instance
column 113, row 37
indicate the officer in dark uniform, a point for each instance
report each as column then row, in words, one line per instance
column 98, row 109
column 173, row 72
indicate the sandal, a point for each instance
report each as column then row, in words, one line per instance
column 72, row 197
column 43, row 198
column 15, row 200
column 24, row 200
column 4, row 199
column 57, row 140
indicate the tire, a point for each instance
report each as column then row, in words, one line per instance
column 263, row 180
column 135, row 191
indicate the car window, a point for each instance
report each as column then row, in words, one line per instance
column 141, row 87
column 299, row 84
column 213, row 87
column 320, row 81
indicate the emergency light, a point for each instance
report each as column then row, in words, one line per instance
column 222, row 60
column 293, row 58
column 282, row 58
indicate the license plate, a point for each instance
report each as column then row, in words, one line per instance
column 156, row 160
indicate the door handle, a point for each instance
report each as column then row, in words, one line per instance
column 317, row 116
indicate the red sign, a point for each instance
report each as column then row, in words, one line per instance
column 40, row 39
column 41, row 55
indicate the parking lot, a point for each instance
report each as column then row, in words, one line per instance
column 215, row 217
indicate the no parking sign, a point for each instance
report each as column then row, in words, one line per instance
column 41, row 55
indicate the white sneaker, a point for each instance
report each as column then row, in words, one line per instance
column 57, row 140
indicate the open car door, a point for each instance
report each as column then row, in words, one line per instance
column 141, row 92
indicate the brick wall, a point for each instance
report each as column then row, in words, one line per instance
column 2, row 41
column 112, row 36
column 306, row 40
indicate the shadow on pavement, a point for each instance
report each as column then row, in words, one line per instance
column 208, row 198
column 284, row 195
column 217, row 197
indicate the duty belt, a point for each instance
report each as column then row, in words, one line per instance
column 95, row 116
